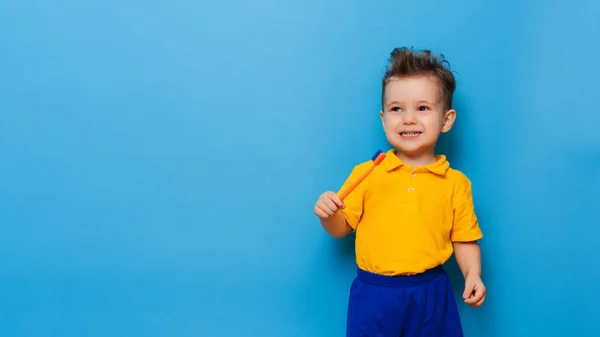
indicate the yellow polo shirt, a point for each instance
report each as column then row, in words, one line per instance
column 406, row 218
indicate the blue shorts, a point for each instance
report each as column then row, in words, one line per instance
column 420, row 305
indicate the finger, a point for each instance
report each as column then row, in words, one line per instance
column 469, row 288
column 323, row 207
column 475, row 298
column 332, row 199
column 331, row 206
column 336, row 199
column 320, row 212
column 480, row 302
column 327, row 209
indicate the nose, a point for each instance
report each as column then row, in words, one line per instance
column 409, row 118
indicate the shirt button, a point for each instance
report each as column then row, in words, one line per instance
column 413, row 175
column 410, row 189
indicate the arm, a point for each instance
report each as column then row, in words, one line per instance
column 468, row 257
column 339, row 218
column 328, row 209
column 336, row 225
column 465, row 236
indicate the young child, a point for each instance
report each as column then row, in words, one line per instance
column 410, row 214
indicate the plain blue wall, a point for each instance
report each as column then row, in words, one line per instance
column 159, row 161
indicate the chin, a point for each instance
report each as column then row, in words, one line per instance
column 410, row 147
column 411, row 150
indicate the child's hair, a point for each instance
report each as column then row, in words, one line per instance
column 406, row 62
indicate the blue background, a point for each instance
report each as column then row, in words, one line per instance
column 159, row 161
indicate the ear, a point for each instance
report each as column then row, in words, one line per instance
column 449, row 118
column 382, row 118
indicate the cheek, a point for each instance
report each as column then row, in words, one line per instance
column 391, row 122
column 432, row 122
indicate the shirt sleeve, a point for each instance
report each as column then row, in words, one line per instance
column 354, row 201
column 466, row 225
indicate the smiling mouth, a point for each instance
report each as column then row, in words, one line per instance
column 410, row 133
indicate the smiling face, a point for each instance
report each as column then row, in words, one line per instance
column 413, row 116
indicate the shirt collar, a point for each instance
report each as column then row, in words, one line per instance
column 440, row 167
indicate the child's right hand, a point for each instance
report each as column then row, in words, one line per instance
column 328, row 204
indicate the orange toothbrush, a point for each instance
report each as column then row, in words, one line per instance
column 377, row 158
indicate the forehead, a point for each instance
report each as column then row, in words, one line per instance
column 416, row 88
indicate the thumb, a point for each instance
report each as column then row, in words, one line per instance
column 339, row 202
column 469, row 287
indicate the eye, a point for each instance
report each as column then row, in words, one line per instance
column 395, row 109
column 423, row 108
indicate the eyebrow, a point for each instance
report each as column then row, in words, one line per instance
column 418, row 102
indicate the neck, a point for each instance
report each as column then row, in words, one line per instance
column 416, row 160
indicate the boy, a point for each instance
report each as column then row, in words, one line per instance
column 410, row 214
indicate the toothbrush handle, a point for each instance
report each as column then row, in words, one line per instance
column 351, row 188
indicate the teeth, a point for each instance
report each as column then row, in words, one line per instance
column 410, row 133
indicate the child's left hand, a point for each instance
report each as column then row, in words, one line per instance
column 475, row 292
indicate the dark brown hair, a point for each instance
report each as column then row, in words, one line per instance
column 407, row 62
